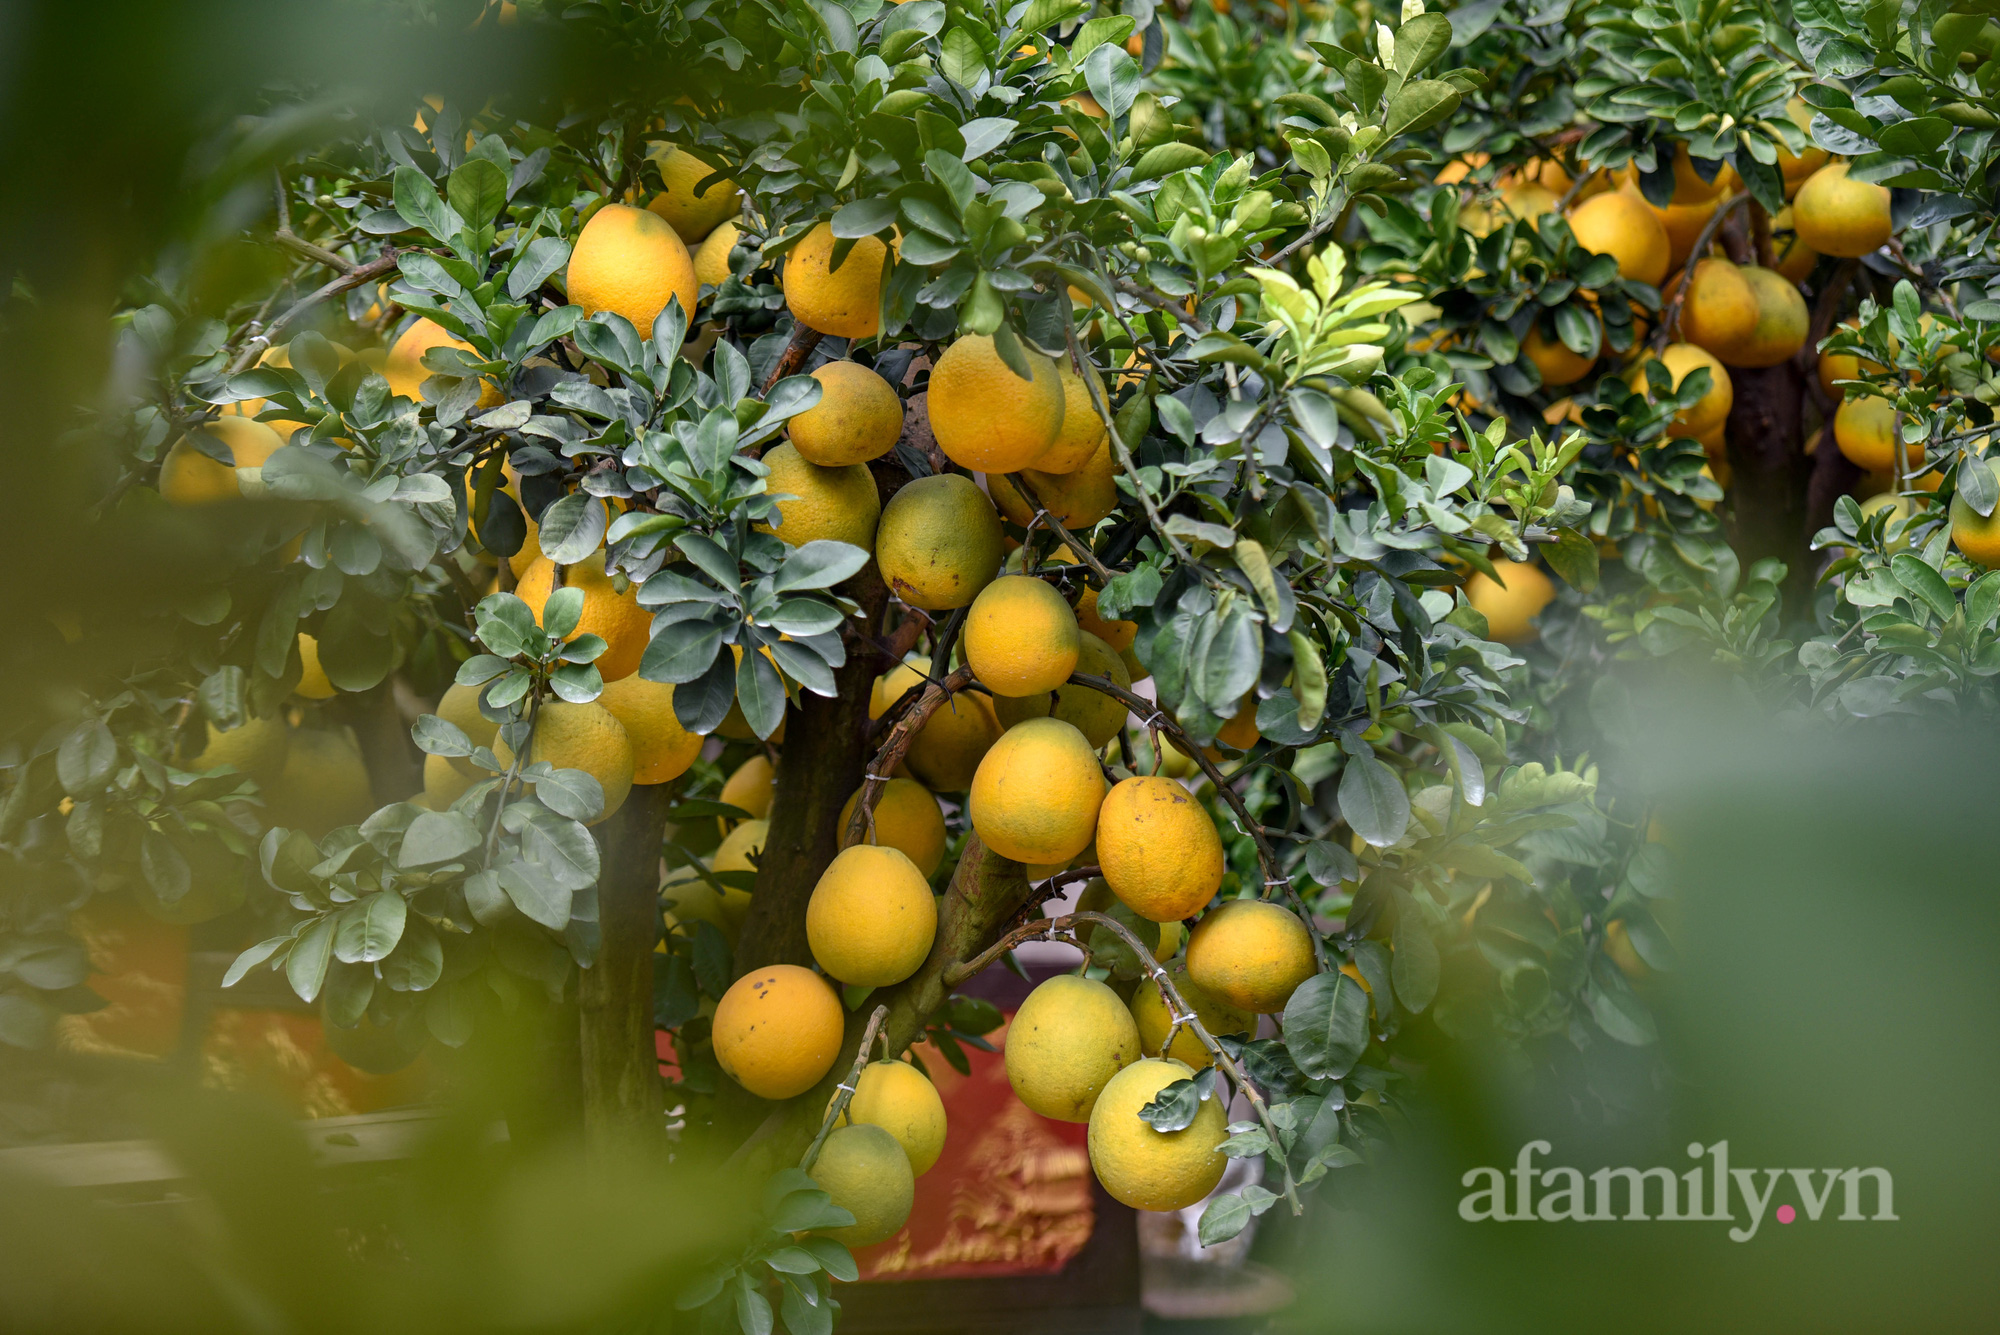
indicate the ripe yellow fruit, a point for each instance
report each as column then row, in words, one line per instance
column 858, row 417
column 711, row 257
column 1511, row 604
column 895, row 1096
column 323, row 786
column 1149, row 1012
column 1068, row 1040
column 313, row 683
column 871, row 919
column 1838, row 215
column 1720, row 310
column 1241, row 732
column 1078, row 499
column 1528, row 200
column 1159, row 849
column 1021, row 637
column 586, row 737
column 690, row 899
column 945, row 753
column 1035, row 796
column 939, row 542
column 1709, row 411
column 751, row 786
column 1558, row 365
column 1618, row 945
column 741, row 846
column 1099, row 717
column 1148, row 1169
column 1793, row 257
column 1618, row 224
column 845, row 302
column 460, row 707
column 443, row 784
column 691, row 213
column 1250, row 954
column 404, row 367
column 631, row 263
column 1977, row 536
column 625, row 627
column 256, row 747
column 777, row 1031
column 1082, row 432
column 661, row 748
column 1782, row 324
column 189, row 477
column 868, row 1175
column 838, row 503
column 908, row 819
column 1865, row 430
column 1118, row 634
column 987, row 418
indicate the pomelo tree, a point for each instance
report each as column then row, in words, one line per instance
column 1361, row 321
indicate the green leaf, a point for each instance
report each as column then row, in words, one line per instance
column 1420, row 41
column 86, row 758
column 1162, row 159
column 1045, row 14
column 1413, row 967
column 819, row 564
column 792, row 1261
column 961, row 59
column 542, row 260
column 477, row 191
column 1308, row 680
column 572, row 793
column 536, row 894
column 165, row 867
column 437, row 737
column 804, row 1211
column 562, row 611
column 1977, row 485
column 1373, row 800
column 1919, row 578
column 834, row 1258
column 438, row 836
column 1326, row 1025
column 305, row 968
column 1418, row 106
column 1573, row 556
column 573, row 528
column 1225, row 1217
column 418, row 203
column 1113, row 79
column 370, row 929
column 864, row 217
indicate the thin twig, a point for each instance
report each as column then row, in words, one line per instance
column 1125, row 459
column 799, row 347
column 1160, row 301
column 347, row 282
column 1671, row 311
column 1312, row 234
column 895, row 745
column 1047, row 516
column 844, row 1092
column 291, row 241
column 513, row 773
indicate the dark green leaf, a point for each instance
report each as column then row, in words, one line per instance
column 1326, row 1025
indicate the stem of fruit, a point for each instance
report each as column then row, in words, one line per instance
column 861, row 824
column 1181, row 1015
column 845, row 1092
column 1672, row 311
column 1267, row 858
column 1044, row 515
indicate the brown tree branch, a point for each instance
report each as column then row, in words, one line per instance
column 1044, row 515
column 844, row 1092
column 797, row 349
column 890, row 754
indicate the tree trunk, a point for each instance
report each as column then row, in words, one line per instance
column 1767, row 456
column 623, row 1101
column 826, row 754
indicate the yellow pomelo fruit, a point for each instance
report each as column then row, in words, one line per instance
column 1118, row 634
column 858, row 417
column 837, row 503
column 1558, row 365
column 1976, row 536
column 711, row 257
column 1620, row 225
column 586, row 737
column 189, row 477
column 404, row 367
column 1797, row 169
column 1035, row 796
column 1241, row 731
column 1720, row 310
column 1148, row 1169
column 1082, row 431
column 777, row 1031
column 1159, row 848
column 1618, row 945
column 908, row 819
column 256, row 748
column 692, row 213
column 323, row 786
column 1068, row 1040
column 1021, row 637
column 939, row 542
column 1511, row 604
column 751, row 786
column 895, row 1096
column 1865, row 430
column 1149, row 1012
column 987, row 418
column 844, row 302
column 1250, row 954
column 871, row 919
column 740, row 846
column 661, row 748
column 691, row 899
column 1527, row 201
column 1837, row 366
column 1781, row 326
column 1794, row 258
column 460, row 706
column 631, row 263
column 945, row 753
column 868, row 1174
column 1838, row 215
column 1690, row 188
column 617, row 618
column 1712, row 409
column 1138, row 670
column 1099, row 717
column 313, row 683
column 1078, row 499
column 443, row 784
column 1899, row 507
